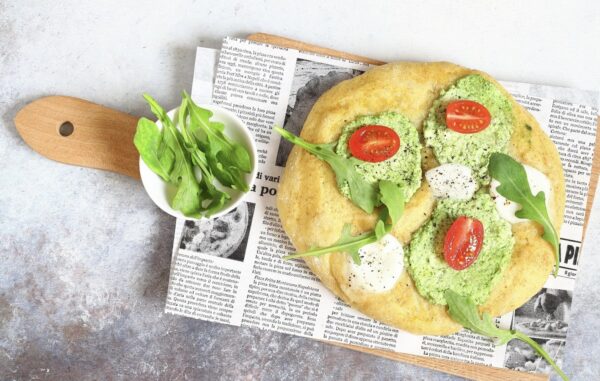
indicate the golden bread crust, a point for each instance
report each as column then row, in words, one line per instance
column 313, row 211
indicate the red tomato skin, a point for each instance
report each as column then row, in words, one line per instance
column 373, row 143
column 463, row 242
column 467, row 117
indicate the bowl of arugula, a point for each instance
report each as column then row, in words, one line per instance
column 196, row 161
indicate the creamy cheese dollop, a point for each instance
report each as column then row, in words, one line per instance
column 538, row 182
column 382, row 263
column 454, row 181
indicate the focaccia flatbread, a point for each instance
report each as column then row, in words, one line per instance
column 313, row 211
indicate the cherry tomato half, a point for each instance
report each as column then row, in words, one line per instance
column 467, row 117
column 374, row 143
column 463, row 242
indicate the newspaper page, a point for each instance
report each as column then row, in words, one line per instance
column 229, row 269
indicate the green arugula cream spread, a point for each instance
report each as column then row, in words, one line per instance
column 425, row 255
column 404, row 168
column 472, row 150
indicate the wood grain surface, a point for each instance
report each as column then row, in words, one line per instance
column 101, row 138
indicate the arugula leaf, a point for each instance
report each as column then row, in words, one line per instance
column 208, row 190
column 463, row 311
column 346, row 238
column 515, row 187
column 228, row 160
column 187, row 198
column 380, row 230
column 347, row 243
column 242, row 158
column 351, row 244
column 157, row 110
column 148, row 140
column 362, row 193
column 392, row 196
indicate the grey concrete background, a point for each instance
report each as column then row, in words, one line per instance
column 84, row 254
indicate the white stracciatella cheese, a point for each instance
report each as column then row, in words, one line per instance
column 538, row 182
column 454, row 181
column 381, row 265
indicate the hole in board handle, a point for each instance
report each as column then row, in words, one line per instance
column 66, row 129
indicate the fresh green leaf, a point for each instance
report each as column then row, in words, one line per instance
column 157, row 110
column 380, row 230
column 347, row 243
column 208, row 190
column 228, row 160
column 242, row 158
column 222, row 166
column 392, row 196
column 149, row 142
column 346, row 238
column 515, row 187
column 362, row 193
column 463, row 311
column 216, row 204
column 182, row 117
column 187, row 198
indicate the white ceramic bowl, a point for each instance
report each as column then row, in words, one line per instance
column 161, row 193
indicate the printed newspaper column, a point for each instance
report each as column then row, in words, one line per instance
column 467, row 346
column 203, row 287
column 281, row 304
column 574, row 125
column 282, row 295
column 346, row 325
column 253, row 80
column 273, row 244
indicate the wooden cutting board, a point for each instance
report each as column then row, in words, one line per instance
column 77, row 132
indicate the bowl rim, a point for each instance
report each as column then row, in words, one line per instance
column 239, row 125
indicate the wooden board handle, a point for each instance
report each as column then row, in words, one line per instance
column 78, row 132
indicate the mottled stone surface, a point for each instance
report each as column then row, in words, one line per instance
column 84, row 254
